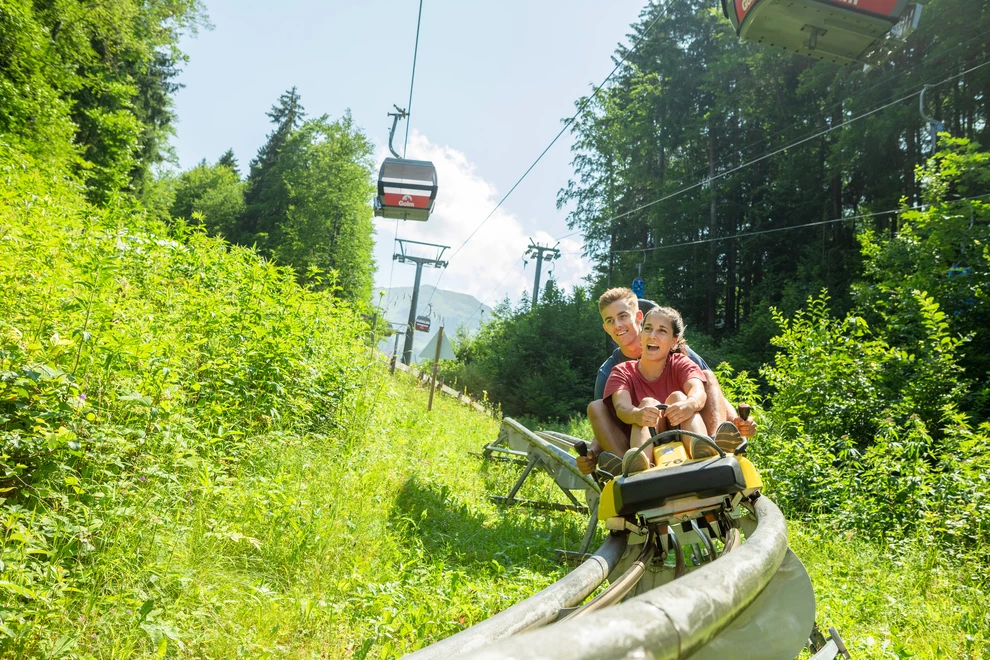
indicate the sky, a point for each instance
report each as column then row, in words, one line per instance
column 493, row 82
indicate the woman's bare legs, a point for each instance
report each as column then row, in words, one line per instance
column 696, row 424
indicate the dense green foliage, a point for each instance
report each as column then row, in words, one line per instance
column 533, row 363
column 190, row 445
column 209, row 194
column 691, row 105
column 142, row 367
column 305, row 202
column 92, row 84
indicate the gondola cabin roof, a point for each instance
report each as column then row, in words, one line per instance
column 840, row 31
column 407, row 189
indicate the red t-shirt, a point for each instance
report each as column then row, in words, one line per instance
column 676, row 373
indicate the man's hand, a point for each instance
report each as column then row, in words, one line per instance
column 747, row 427
column 648, row 416
column 680, row 412
column 587, row 464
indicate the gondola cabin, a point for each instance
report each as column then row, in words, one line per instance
column 423, row 323
column 407, row 189
column 840, row 31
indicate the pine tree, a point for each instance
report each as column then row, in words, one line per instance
column 327, row 167
column 267, row 196
column 228, row 159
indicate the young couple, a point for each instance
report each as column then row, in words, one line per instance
column 652, row 365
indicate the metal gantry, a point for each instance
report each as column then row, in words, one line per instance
column 403, row 256
column 541, row 253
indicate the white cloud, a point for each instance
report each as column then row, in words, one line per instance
column 488, row 267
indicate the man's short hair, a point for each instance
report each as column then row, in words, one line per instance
column 616, row 294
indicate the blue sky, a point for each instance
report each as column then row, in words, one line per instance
column 493, row 81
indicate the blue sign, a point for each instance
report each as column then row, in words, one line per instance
column 639, row 287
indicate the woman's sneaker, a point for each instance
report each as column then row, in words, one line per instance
column 702, row 448
column 635, row 461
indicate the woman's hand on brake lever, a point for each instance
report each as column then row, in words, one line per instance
column 681, row 411
column 648, row 416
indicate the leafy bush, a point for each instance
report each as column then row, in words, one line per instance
column 939, row 249
column 538, row 362
column 870, row 434
column 141, row 367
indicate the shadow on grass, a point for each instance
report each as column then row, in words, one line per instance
column 463, row 535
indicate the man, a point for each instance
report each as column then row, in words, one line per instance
column 622, row 318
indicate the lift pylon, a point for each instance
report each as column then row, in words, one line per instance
column 541, row 253
column 403, row 256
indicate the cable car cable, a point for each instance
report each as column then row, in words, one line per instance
column 801, row 226
column 419, row 20
column 567, row 124
column 706, row 180
column 843, row 101
column 412, row 82
column 792, row 145
column 863, row 91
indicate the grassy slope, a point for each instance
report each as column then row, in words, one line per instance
column 242, row 481
column 311, row 552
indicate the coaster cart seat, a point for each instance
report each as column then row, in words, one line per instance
column 840, row 31
column 407, row 189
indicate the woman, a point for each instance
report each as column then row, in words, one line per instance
column 663, row 374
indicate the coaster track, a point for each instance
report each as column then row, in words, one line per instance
column 754, row 601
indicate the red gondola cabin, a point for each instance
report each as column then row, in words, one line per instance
column 407, row 189
column 840, row 31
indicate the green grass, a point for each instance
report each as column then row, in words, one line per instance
column 371, row 547
column 906, row 600
column 202, row 459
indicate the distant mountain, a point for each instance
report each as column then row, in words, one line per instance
column 450, row 308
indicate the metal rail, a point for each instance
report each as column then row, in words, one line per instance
column 537, row 610
column 669, row 622
column 617, row 590
column 563, row 461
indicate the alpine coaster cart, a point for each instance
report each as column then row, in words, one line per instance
column 407, row 189
column 696, row 560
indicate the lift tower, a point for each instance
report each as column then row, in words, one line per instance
column 536, row 250
column 402, row 256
